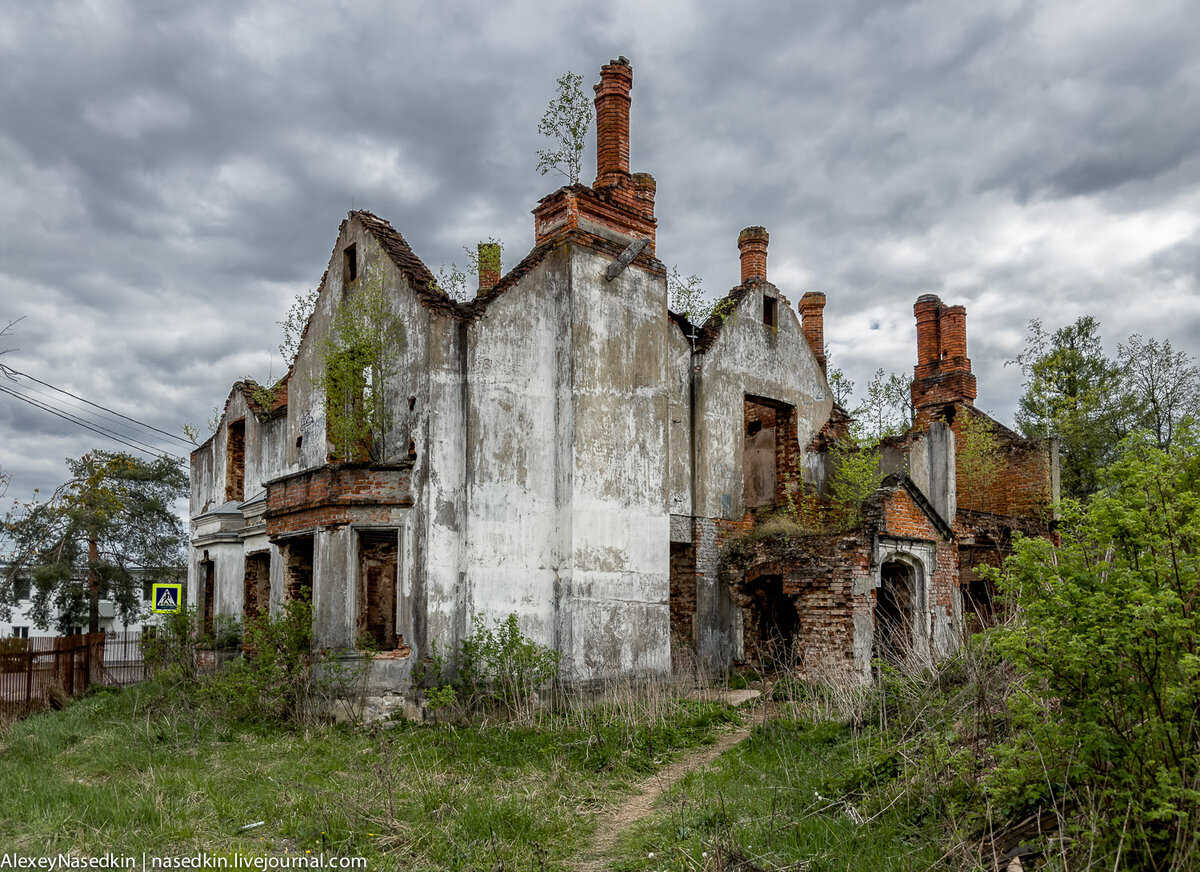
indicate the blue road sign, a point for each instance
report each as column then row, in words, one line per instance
column 168, row 598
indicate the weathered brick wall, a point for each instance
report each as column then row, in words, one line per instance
column 683, row 594
column 819, row 575
column 1021, row 488
column 903, row 518
column 337, row 494
column 257, row 595
column 986, row 540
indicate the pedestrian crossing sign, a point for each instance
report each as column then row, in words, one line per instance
column 167, row 598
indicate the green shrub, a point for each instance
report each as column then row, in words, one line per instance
column 496, row 667
column 1107, row 732
column 172, row 644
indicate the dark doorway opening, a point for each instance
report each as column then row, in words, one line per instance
column 208, row 581
column 378, row 559
column 773, row 625
column 894, row 604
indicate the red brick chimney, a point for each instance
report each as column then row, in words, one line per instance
column 928, row 347
column 489, row 265
column 942, row 376
column 752, row 243
column 812, row 321
column 612, row 122
column 617, row 200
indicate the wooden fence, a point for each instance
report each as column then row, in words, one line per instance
column 35, row 671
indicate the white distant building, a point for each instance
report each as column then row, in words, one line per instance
column 20, row 622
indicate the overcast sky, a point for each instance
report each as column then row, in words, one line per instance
column 172, row 175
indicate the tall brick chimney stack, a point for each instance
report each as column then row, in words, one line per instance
column 928, row 345
column 752, row 243
column 612, row 122
column 489, row 265
column 617, row 200
column 812, row 322
column 942, row 376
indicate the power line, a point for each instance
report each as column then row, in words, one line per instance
column 97, row 418
column 9, row 371
column 141, row 447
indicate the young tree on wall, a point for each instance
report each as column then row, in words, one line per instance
column 841, row 386
column 566, row 124
column 360, row 357
column 114, row 519
column 886, row 409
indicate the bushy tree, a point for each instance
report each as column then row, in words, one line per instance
column 97, row 535
column 1162, row 386
column 1072, row 391
column 1109, row 729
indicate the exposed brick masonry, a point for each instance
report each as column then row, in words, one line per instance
column 337, row 494
column 683, row 594
column 752, row 248
column 943, row 372
column 812, row 322
column 612, row 122
column 489, row 265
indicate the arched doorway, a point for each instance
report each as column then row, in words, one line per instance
column 895, row 609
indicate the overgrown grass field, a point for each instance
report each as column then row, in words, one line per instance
column 141, row 770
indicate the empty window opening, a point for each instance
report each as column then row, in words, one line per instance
column 257, row 597
column 770, row 628
column 349, row 263
column 758, row 459
column 22, row 588
column 208, row 581
column 895, row 602
column 20, row 632
column 769, row 453
column 235, row 461
column 298, row 568
column 769, row 310
column 412, row 403
column 378, row 562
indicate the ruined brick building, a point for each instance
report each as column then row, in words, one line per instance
column 565, row 448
